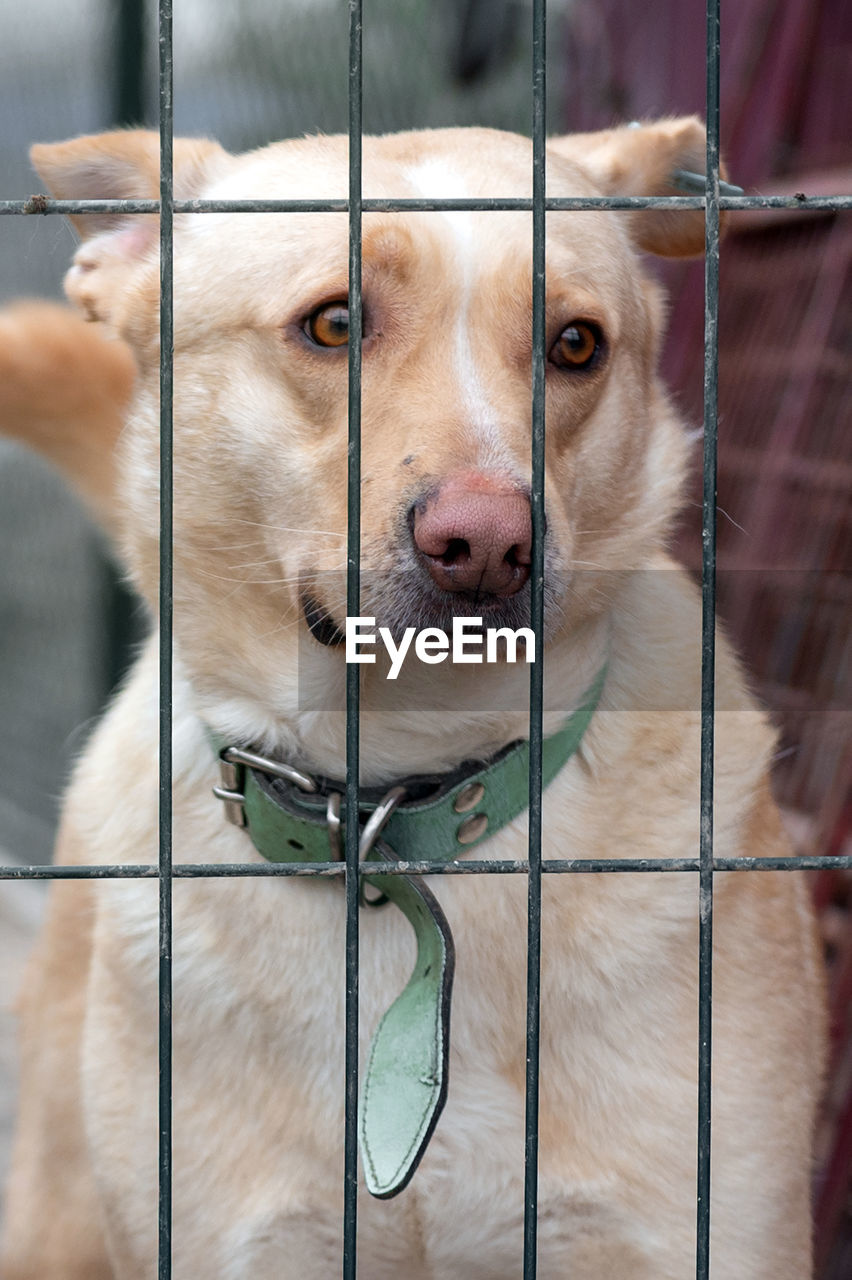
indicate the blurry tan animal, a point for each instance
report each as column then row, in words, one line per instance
column 260, row 519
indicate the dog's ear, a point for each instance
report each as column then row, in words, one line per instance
column 117, row 166
column 642, row 160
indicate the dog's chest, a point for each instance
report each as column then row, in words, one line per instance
column 269, row 997
column 258, row 1026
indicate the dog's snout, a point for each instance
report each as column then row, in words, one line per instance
column 475, row 535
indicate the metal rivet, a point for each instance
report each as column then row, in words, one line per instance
column 472, row 828
column 469, row 797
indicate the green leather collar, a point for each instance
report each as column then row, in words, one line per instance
column 293, row 817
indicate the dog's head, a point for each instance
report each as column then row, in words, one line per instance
column 261, row 380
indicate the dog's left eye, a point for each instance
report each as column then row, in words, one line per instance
column 328, row 326
column 578, row 346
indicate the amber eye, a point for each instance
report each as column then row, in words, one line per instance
column 329, row 325
column 577, row 346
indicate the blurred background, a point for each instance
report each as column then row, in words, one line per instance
column 249, row 71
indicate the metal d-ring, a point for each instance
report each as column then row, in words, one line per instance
column 373, row 828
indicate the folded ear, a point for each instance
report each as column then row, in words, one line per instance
column 117, row 166
column 642, row 160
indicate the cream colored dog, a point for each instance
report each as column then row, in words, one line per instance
column 260, row 519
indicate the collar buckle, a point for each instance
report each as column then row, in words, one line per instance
column 232, row 764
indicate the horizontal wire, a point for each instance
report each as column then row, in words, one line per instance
column 497, row 866
column 40, row 204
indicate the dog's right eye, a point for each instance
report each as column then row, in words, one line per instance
column 328, row 326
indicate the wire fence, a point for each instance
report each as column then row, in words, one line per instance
column 352, row 869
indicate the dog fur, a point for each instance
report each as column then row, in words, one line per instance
column 260, row 520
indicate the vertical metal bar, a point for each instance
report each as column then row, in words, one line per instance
column 537, row 669
column 130, row 61
column 353, row 594
column 708, row 640
column 165, row 727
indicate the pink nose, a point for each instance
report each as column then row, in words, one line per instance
column 475, row 535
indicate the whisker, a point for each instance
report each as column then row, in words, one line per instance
column 726, row 514
column 235, row 546
column 733, row 521
column 283, row 528
column 249, row 582
column 257, row 564
column 280, row 629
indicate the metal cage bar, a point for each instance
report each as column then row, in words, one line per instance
column 495, row 866
column 42, row 204
column 353, row 596
column 533, row 1029
column 166, row 604
column 705, row 864
column 708, row 644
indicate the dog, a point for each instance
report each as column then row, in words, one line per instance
column 260, row 518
